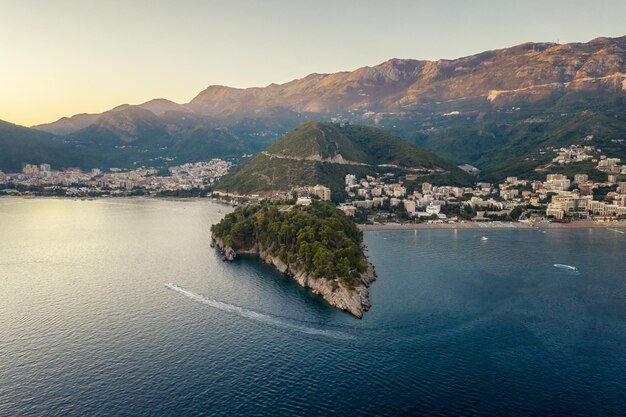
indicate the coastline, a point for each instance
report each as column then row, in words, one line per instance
column 352, row 300
column 584, row 224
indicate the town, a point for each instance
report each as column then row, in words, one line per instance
column 401, row 199
column 186, row 180
column 389, row 198
column 392, row 197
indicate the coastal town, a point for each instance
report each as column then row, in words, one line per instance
column 390, row 198
column 401, row 199
column 189, row 179
column 558, row 198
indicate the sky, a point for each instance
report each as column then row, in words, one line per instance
column 62, row 57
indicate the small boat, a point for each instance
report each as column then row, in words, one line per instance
column 566, row 267
column 484, row 238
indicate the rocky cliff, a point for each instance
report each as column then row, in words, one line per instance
column 353, row 300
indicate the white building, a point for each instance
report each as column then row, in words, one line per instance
column 350, row 181
column 303, row 201
column 433, row 209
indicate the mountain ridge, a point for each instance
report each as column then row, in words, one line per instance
column 323, row 153
column 398, row 84
column 482, row 109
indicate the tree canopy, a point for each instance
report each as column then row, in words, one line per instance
column 318, row 239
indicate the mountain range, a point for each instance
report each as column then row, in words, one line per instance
column 495, row 110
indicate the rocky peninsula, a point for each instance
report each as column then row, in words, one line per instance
column 318, row 246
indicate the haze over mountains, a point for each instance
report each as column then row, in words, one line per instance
column 494, row 110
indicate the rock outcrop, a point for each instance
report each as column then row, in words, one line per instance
column 353, row 300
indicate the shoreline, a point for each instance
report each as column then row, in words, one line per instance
column 585, row 224
column 354, row 301
column 98, row 198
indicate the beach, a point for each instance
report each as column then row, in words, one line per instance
column 585, row 224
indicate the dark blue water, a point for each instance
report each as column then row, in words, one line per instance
column 459, row 326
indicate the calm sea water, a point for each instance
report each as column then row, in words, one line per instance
column 459, row 326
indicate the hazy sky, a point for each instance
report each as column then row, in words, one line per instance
column 64, row 57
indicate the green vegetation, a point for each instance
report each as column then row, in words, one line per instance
column 506, row 142
column 586, row 167
column 600, row 193
column 318, row 239
column 20, row 145
column 312, row 138
column 286, row 167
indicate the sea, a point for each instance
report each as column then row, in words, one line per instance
column 120, row 307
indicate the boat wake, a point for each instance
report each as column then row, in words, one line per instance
column 615, row 230
column 564, row 267
column 260, row 317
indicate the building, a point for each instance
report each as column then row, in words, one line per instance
column 377, row 192
column 409, row 205
column 399, row 191
column 484, row 186
column 30, row 169
column 322, row 192
column 581, row 178
column 367, row 204
column 378, row 201
column 585, row 189
column 608, row 164
column 349, row 210
column 557, row 182
column 350, row 181
column 571, row 204
column 433, row 208
column 556, row 213
column 303, row 201
column 604, row 209
column 509, row 194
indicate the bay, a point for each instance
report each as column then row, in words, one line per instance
column 459, row 326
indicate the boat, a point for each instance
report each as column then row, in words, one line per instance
column 484, row 238
column 566, row 267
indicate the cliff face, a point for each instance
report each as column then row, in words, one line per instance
column 354, row 301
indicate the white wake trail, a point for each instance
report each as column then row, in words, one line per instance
column 253, row 315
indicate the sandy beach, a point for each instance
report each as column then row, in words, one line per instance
column 620, row 226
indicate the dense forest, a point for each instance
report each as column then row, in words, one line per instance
column 318, row 239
